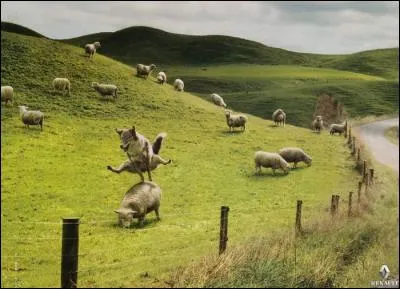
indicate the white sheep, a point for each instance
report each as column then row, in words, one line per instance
column 338, row 128
column 270, row 160
column 279, row 116
column 178, row 84
column 7, row 94
column 62, row 84
column 237, row 120
column 318, row 123
column 295, row 155
column 145, row 70
column 91, row 48
column 31, row 117
column 162, row 77
column 218, row 100
column 106, row 89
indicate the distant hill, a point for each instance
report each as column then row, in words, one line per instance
column 15, row 28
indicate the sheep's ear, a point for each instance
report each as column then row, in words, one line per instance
column 118, row 130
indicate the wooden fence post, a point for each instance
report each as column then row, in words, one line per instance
column 298, row 217
column 69, row 257
column 349, row 139
column 365, row 172
column 337, row 204
column 223, row 233
column 358, row 155
column 334, row 204
column 350, row 201
column 353, row 151
column 359, row 192
column 371, row 175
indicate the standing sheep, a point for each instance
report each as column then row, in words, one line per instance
column 295, row 155
column 270, row 160
column 318, row 123
column 32, row 117
column 61, row 84
column 106, row 89
column 91, row 48
column 218, row 100
column 144, row 70
column 178, row 84
column 162, row 77
column 338, row 128
column 238, row 120
column 279, row 116
column 138, row 201
column 7, row 94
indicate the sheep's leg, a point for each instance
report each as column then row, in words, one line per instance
column 295, row 164
column 157, row 214
column 273, row 171
column 118, row 170
column 159, row 160
column 141, row 221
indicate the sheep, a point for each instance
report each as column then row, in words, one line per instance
column 178, row 84
column 91, row 48
column 238, row 120
column 338, row 128
column 7, row 94
column 279, row 116
column 106, row 89
column 61, row 84
column 144, row 70
column 295, row 155
column 270, row 160
column 162, row 77
column 318, row 123
column 33, row 117
column 218, row 100
column 138, row 201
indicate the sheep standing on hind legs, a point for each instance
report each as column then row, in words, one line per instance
column 7, row 94
column 279, row 116
column 32, row 117
column 144, row 70
column 270, row 160
column 233, row 121
column 91, row 48
column 61, row 84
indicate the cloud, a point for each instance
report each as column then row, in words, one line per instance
column 305, row 26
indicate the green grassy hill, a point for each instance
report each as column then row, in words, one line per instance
column 15, row 28
column 61, row 171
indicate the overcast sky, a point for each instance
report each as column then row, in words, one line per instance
column 305, row 26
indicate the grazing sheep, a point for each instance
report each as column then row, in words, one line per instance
column 279, row 116
column 162, row 77
column 7, row 94
column 178, row 84
column 295, row 155
column 138, row 201
column 106, row 89
column 33, row 117
column 144, row 70
column 318, row 123
column 338, row 128
column 237, row 120
column 218, row 100
column 91, row 48
column 62, row 84
column 270, row 160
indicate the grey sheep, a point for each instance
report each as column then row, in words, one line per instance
column 7, row 94
column 91, row 48
column 279, row 116
column 338, row 128
column 295, row 155
column 106, row 89
column 238, row 120
column 270, row 160
column 145, row 70
column 62, row 84
column 318, row 123
column 138, row 201
column 32, row 117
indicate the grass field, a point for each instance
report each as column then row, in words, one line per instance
column 392, row 134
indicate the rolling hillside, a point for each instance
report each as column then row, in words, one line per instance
column 61, row 171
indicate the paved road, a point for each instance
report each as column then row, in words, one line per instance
column 382, row 149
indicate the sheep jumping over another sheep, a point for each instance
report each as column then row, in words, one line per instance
column 295, row 155
column 91, row 48
column 279, row 116
column 318, row 123
column 218, row 100
column 144, row 70
column 237, row 120
column 106, row 89
column 7, row 94
column 61, row 84
column 138, row 201
column 338, row 128
column 178, row 84
column 162, row 77
column 32, row 117
column 270, row 160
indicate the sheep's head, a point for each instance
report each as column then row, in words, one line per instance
column 308, row 160
column 227, row 113
column 153, row 66
column 94, row 84
column 125, row 216
column 97, row 44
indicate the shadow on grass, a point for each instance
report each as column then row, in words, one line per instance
column 33, row 130
column 148, row 223
column 267, row 175
column 227, row 132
